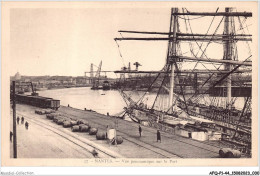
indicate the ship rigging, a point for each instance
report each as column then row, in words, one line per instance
column 211, row 109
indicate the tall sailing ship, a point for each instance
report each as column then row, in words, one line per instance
column 215, row 104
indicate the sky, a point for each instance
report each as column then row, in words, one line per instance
column 59, row 41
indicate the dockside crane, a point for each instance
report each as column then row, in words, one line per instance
column 97, row 77
column 94, row 80
column 137, row 64
column 34, row 93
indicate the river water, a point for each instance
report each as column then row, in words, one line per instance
column 83, row 97
column 102, row 101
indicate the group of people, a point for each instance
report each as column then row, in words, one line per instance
column 158, row 134
column 22, row 122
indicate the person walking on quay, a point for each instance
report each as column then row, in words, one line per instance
column 107, row 131
column 140, row 130
column 22, row 120
column 158, row 136
column 26, row 125
column 18, row 119
column 11, row 136
column 95, row 153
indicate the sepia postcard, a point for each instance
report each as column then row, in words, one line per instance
column 129, row 84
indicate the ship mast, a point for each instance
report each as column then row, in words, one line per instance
column 228, row 54
column 172, row 53
column 174, row 36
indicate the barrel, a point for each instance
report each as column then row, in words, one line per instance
column 60, row 121
column 66, row 124
column 66, row 119
column 73, row 122
column 86, row 122
column 93, row 131
column 233, row 154
column 47, row 111
column 49, row 116
column 101, row 135
column 37, row 111
column 81, row 125
column 55, row 119
column 52, row 111
column 119, row 140
column 83, row 128
column 75, row 128
column 223, row 152
column 41, row 112
column 80, row 122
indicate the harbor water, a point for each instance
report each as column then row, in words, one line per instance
column 103, row 101
column 83, row 97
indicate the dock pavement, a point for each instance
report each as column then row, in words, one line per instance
column 46, row 139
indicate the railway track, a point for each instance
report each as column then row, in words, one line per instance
column 88, row 146
column 95, row 120
column 130, row 124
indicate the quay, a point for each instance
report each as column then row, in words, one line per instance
column 46, row 139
